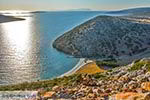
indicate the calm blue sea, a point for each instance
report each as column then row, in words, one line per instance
column 26, row 52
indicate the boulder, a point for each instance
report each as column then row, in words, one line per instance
column 130, row 96
column 146, row 86
column 48, row 94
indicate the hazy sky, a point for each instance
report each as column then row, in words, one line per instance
column 71, row 4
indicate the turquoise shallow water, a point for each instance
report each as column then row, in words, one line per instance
column 26, row 52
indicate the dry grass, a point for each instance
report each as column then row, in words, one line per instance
column 90, row 68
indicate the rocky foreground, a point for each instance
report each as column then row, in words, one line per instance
column 131, row 82
column 120, row 38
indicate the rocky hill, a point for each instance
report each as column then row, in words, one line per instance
column 131, row 82
column 123, row 39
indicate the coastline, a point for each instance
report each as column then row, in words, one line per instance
column 84, row 80
column 82, row 62
column 87, row 39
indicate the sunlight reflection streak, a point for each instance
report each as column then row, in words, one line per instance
column 17, row 35
column 18, row 40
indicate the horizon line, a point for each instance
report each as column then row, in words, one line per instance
column 78, row 9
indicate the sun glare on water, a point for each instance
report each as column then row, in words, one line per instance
column 17, row 42
column 17, row 34
column 15, row 13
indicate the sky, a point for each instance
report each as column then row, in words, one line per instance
column 48, row 5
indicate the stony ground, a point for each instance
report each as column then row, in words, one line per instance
column 130, row 82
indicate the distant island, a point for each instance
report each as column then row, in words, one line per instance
column 9, row 19
column 80, row 9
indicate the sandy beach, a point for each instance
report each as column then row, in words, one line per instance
column 90, row 68
column 79, row 65
column 84, row 67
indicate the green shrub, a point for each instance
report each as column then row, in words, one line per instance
column 107, row 63
column 99, row 76
column 47, row 84
column 139, row 64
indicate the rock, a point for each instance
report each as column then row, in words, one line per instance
column 139, row 90
column 96, row 91
column 91, row 95
column 147, row 75
column 146, row 86
column 145, row 60
column 128, row 96
column 74, row 89
column 55, row 88
column 133, row 74
column 124, row 79
column 104, row 95
column 133, row 84
column 121, row 73
column 147, row 96
column 140, row 72
column 48, row 94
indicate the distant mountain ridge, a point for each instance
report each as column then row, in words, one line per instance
column 132, row 10
column 80, row 9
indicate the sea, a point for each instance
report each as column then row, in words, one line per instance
column 26, row 52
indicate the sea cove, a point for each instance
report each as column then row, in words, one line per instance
column 26, row 52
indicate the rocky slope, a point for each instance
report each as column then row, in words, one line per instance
column 108, row 37
column 130, row 82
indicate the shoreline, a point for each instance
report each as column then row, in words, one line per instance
column 82, row 62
